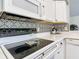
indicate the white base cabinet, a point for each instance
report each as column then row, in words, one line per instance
column 54, row 53
column 59, row 54
column 50, row 56
column 72, row 49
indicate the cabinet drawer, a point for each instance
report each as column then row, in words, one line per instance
column 50, row 56
column 50, row 50
column 39, row 56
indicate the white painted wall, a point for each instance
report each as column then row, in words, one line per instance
column 74, row 12
column 74, row 20
column 74, row 8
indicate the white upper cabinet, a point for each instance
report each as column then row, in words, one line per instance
column 61, row 11
column 29, row 8
column 48, row 10
column 54, row 10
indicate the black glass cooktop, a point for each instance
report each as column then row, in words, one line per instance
column 27, row 47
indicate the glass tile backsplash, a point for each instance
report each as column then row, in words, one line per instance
column 4, row 23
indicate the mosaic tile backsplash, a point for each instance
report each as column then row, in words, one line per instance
column 16, row 21
column 23, row 24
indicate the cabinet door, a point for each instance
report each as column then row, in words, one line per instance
column 49, row 9
column 43, row 10
column 72, row 49
column 61, row 11
column 52, row 10
column 59, row 54
column 51, row 56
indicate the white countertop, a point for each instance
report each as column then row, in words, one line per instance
column 62, row 35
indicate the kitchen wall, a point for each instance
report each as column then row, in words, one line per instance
column 74, row 12
column 74, row 20
column 74, row 8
